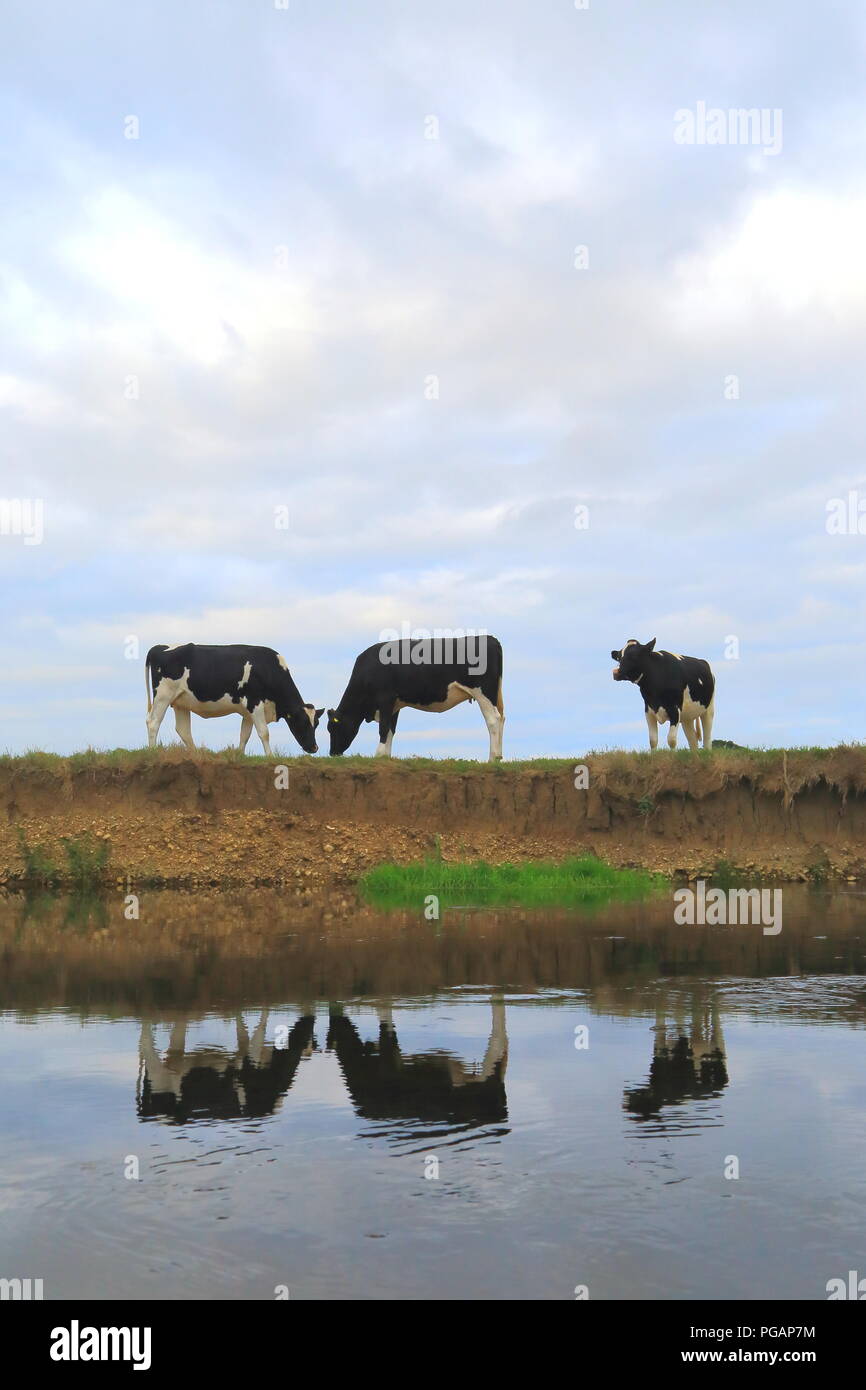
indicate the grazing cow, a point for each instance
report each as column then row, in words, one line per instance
column 390, row 676
column 253, row 682
column 676, row 689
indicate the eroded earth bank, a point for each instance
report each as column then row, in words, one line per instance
column 174, row 818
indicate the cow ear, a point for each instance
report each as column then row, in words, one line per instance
column 319, row 713
column 649, row 646
column 617, row 656
column 332, row 714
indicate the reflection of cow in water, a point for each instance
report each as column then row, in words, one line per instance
column 434, row 1086
column 211, row 1083
column 383, row 1082
column 688, row 1062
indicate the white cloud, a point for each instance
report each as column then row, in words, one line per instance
column 791, row 252
column 205, row 305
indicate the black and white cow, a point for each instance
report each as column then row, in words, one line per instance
column 676, row 689
column 390, row 676
column 253, row 682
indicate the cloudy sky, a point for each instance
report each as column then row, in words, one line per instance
column 431, row 277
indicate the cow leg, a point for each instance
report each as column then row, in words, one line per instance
column 161, row 702
column 387, row 725
column 252, row 1047
column 246, row 731
column 182, row 724
column 256, row 1048
column 691, row 732
column 707, row 723
column 154, row 1067
column 653, row 725
column 497, row 1047
column 494, row 721
column 261, row 723
column 393, row 728
column 674, row 728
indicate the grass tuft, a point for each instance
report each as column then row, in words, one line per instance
column 86, row 861
column 577, row 882
column 39, row 867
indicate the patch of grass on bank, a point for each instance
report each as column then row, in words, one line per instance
column 86, row 861
column 583, row 882
column 39, row 865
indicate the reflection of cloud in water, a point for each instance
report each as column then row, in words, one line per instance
column 815, row 999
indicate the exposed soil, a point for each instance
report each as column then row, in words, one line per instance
column 203, row 818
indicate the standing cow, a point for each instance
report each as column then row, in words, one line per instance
column 253, row 682
column 420, row 673
column 676, row 689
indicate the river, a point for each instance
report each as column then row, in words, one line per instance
column 234, row 1097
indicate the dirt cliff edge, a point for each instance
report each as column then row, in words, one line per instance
column 170, row 816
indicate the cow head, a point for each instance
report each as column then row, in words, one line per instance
column 314, row 715
column 303, row 725
column 342, row 729
column 632, row 660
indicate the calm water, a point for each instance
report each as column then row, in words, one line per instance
column 362, row 1107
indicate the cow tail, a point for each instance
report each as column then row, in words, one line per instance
column 147, row 682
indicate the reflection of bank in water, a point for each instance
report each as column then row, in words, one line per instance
column 688, row 1060
column 383, row 1081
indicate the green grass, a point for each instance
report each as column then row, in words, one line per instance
column 583, row 882
column 755, row 753
column 39, row 866
column 94, row 758
column 605, row 759
column 86, row 860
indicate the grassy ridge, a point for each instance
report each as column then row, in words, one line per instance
column 579, row 882
column 613, row 758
